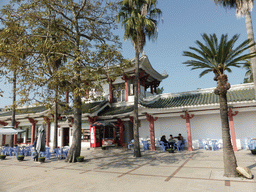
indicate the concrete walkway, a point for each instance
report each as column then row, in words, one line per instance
column 117, row 170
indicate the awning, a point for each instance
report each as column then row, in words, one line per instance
column 9, row 130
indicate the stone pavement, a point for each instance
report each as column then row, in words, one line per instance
column 117, row 170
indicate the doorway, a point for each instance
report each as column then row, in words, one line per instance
column 65, row 137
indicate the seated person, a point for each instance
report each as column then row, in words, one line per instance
column 164, row 140
column 171, row 141
column 180, row 139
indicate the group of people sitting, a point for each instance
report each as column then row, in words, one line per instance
column 171, row 141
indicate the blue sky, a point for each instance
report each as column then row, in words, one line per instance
column 183, row 23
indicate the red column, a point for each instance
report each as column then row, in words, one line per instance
column 4, row 124
column 120, row 124
column 187, row 117
column 67, row 97
column 48, row 123
column 151, row 88
column 151, row 120
column 33, row 127
column 15, row 136
column 132, row 120
column 27, row 136
column 125, row 78
column 140, row 76
column 232, row 128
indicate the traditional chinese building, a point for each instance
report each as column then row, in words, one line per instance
column 194, row 114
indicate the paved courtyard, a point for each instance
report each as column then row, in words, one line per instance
column 117, row 170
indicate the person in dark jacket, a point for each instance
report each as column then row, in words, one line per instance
column 163, row 138
column 34, row 145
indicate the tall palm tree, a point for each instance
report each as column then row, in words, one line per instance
column 217, row 57
column 244, row 8
column 248, row 74
column 139, row 19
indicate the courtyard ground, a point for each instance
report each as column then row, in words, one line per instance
column 117, row 170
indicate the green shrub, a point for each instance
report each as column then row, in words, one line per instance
column 80, row 159
column 170, row 150
column 41, row 159
column 20, row 157
column 253, row 151
column 2, row 157
column 6, row 145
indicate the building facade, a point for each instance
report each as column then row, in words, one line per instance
column 194, row 114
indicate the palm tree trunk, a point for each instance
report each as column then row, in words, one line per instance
column 250, row 35
column 136, row 101
column 228, row 153
column 13, row 104
column 229, row 158
column 75, row 149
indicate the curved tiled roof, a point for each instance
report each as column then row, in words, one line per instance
column 92, row 107
column 23, row 111
column 116, row 110
column 188, row 99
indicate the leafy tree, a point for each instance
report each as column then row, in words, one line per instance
column 217, row 57
column 248, row 74
column 244, row 8
column 139, row 19
column 90, row 49
column 159, row 90
column 12, row 41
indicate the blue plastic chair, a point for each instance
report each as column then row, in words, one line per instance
column 57, row 152
column 214, row 145
column 145, row 145
column 202, row 144
column 7, row 151
column 130, row 144
column 16, row 151
column 247, row 143
column 180, row 145
column 163, row 146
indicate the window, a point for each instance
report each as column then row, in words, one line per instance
column 85, row 135
column 119, row 92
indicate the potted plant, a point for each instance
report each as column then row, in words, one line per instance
column 15, row 145
column 20, row 157
column 2, row 157
column 170, row 150
column 80, row 159
column 253, row 151
column 6, row 145
column 41, row 159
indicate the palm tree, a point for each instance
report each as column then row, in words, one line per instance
column 248, row 74
column 244, row 8
column 217, row 57
column 139, row 19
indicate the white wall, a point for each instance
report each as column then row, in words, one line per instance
column 206, row 126
column 245, row 125
column 164, row 126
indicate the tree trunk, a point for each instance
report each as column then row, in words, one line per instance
column 250, row 35
column 13, row 104
column 228, row 153
column 229, row 158
column 55, row 131
column 75, row 149
column 136, row 101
